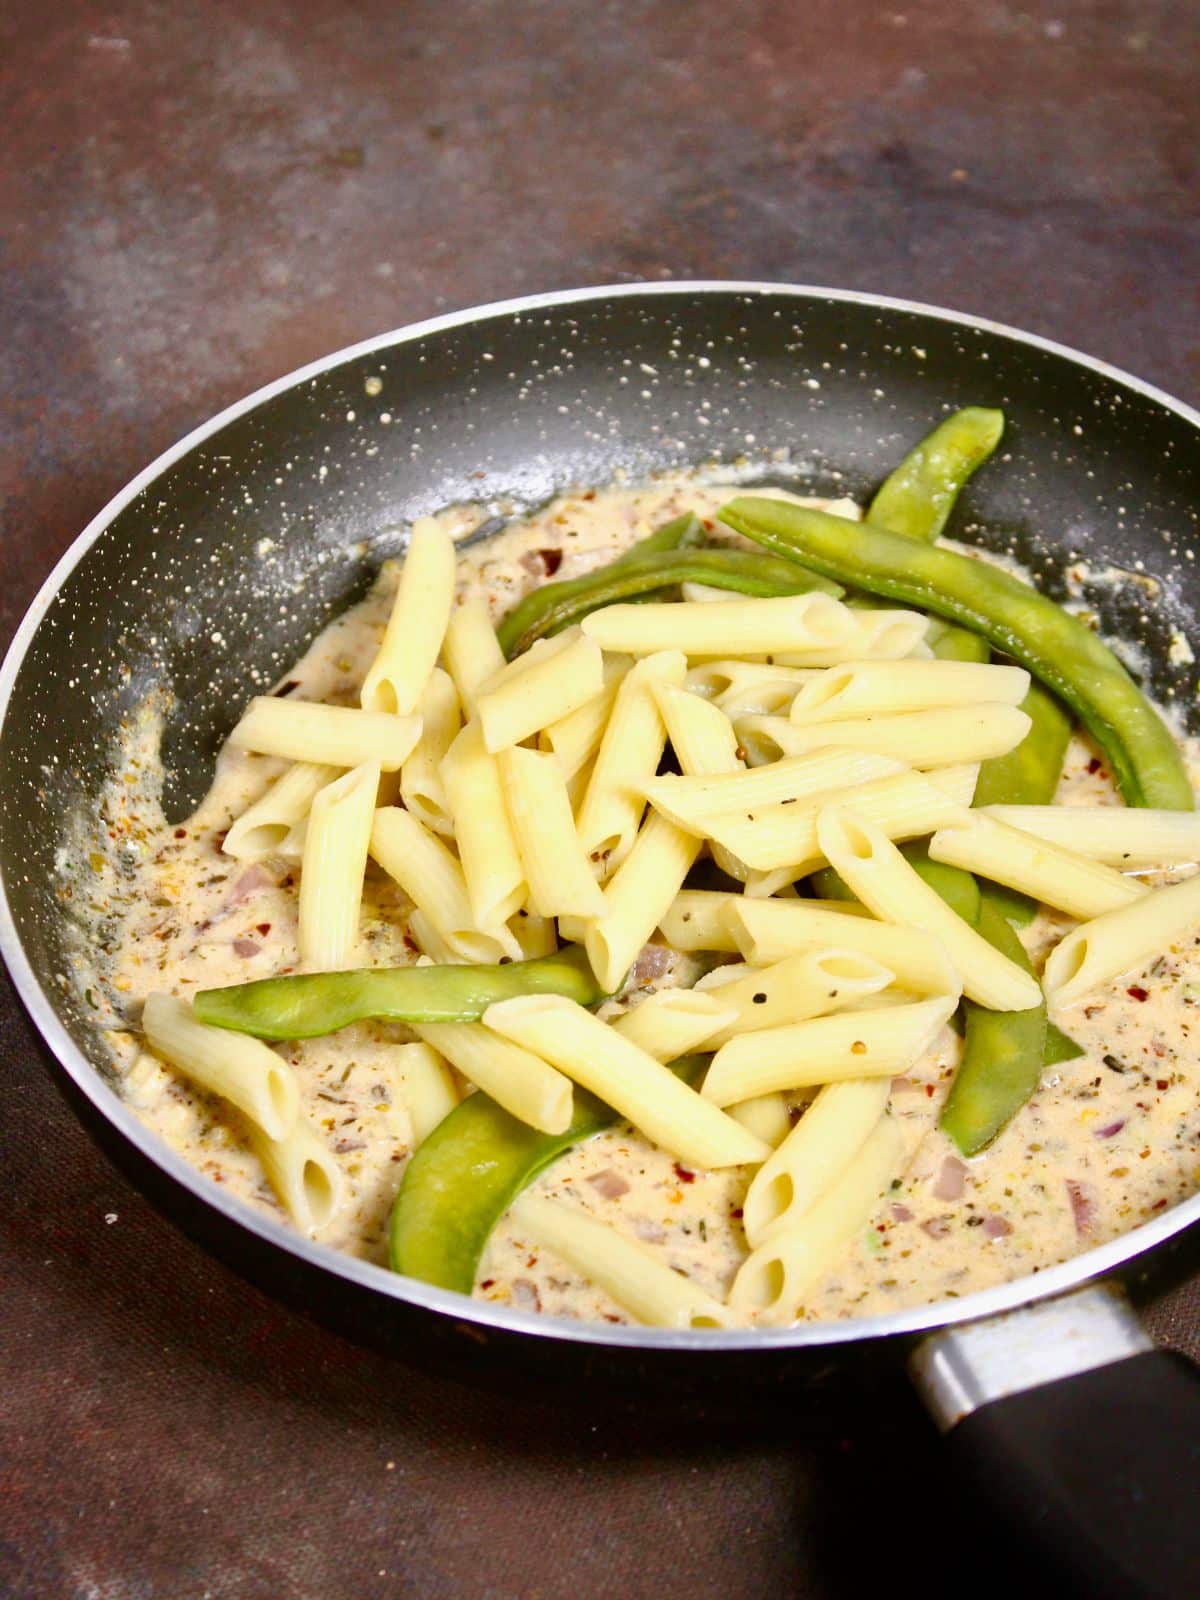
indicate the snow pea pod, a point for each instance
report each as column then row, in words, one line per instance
column 557, row 605
column 470, row 1170
column 1056, row 647
column 919, row 495
column 949, row 643
column 1003, row 1055
column 309, row 1004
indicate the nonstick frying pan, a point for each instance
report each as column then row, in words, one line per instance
column 218, row 563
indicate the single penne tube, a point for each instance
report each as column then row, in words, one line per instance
column 672, row 1022
column 695, row 920
column 551, row 680
column 774, row 1280
column 471, row 650
column 554, row 863
column 816, row 1152
column 874, row 636
column 751, row 686
column 332, row 869
column 303, row 1173
column 263, row 827
column 535, row 934
column 413, row 638
column 650, row 1290
column 883, row 880
column 1128, row 837
column 491, row 862
column 876, row 688
column 638, row 894
column 575, row 739
column 769, row 931
column 689, row 801
column 640, row 1088
column 633, row 741
column 1121, row 941
column 242, row 1070
column 766, row 1116
column 421, row 784
column 704, row 742
column 523, row 1082
column 857, row 1044
column 904, row 806
column 433, row 880
column 704, row 593
column 789, row 622
column 1054, row 875
column 425, row 1086
column 808, row 985
column 943, row 737
column 334, row 736
column 430, row 942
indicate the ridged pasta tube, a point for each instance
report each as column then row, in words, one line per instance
column 335, row 736
column 263, row 828
column 421, row 783
column 1121, row 941
column 397, row 677
column 877, row 688
column 233, row 1066
column 333, row 867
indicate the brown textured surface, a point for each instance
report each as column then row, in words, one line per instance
column 198, row 197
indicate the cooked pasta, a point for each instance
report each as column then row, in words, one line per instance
column 769, row 931
column 433, row 880
column 946, row 736
column 243, row 1071
column 471, row 650
column 426, row 1088
column 641, row 891
column 554, row 678
column 336, row 736
column 1119, row 836
column 332, row 868
column 421, row 785
column 412, row 641
column 808, row 985
column 792, row 622
column 1121, row 941
column 522, row 1082
column 875, row 688
column 575, row 739
column 491, row 862
column 303, row 1173
column 263, row 829
column 553, row 861
column 672, row 1022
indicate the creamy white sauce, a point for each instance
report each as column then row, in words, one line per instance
column 1109, row 1139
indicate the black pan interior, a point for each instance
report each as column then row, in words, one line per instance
column 207, row 584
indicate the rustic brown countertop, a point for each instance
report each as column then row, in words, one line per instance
column 197, row 197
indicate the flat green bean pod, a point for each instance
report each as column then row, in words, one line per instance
column 556, row 606
column 307, row 1005
column 919, row 495
column 1056, row 647
column 470, row 1170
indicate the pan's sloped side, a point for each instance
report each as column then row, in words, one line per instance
column 200, row 583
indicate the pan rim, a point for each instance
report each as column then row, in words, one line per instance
column 364, row 1275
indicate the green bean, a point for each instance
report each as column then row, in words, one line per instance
column 956, row 887
column 683, row 532
column 949, row 643
column 1060, row 1046
column 470, row 1170
column 919, row 495
column 1003, row 1055
column 1056, row 647
column 556, row 606
column 310, row 1004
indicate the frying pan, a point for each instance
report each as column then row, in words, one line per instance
column 212, row 570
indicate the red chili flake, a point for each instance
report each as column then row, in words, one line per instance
column 929, row 1087
column 1158, row 1205
column 1093, row 765
column 551, row 560
column 262, row 927
column 736, row 1213
column 181, row 833
column 683, row 1174
column 1136, row 992
column 486, row 1283
column 1162, row 1083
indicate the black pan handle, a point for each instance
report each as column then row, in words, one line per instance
column 1082, row 1440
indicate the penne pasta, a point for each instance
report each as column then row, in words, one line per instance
column 237, row 1068
column 673, row 1022
column 774, row 1280
column 743, row 688
column 1121, row 941
column 738, row 627
column 695, row 920
column 884, row 881
column 766, row 1116
column 627, row 1272
column 704, row 742
column 426, row 1088
column 434, row 949
column 876, row 688
column 333, row 867
column 943, row 737
column 904, row 806
column 575, row 739
column 554, row 863
column 626, row 1078
column 814, row 1155
column 433, row 880
column 264, row 827
column 611, row 809
column 874, row 636
column 642, row 890
column 858, row 1044
column 1128, row 837
column 549, row 681
column 808, row 985
column 335, row 736
column 522, row 1082
column 491, row 863
column 412, row 641
column 1051, row 874
column 769, row 931
column 303, row 1173
column 471, row 650
column 690, row 800
column 536, row 935
column 421, row 785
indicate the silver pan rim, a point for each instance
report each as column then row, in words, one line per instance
column 363, row 1275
